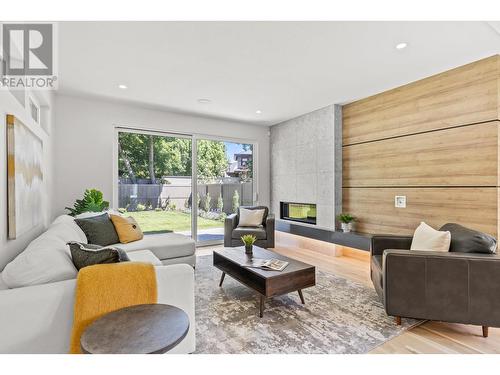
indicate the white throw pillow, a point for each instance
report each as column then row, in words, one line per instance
column 47, row 258
column 427, row 238
column 250, row 218
column 69, row 230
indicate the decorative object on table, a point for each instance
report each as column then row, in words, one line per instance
column 248, row 240
column 346, row 221
column 266, row 264
column 295, row 277
column 24, row 178
column 84, row 255
column 141, row 329
column 92, row 202
column 99, row 230
column 127, row 228
column 103, row 288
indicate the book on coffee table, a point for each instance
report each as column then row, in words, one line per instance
column 266, row 264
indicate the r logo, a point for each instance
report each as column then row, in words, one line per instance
column 28, row 49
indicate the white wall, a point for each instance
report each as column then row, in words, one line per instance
column 85, row 133
column 10, row 105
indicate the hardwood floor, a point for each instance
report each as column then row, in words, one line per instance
column 428, row 338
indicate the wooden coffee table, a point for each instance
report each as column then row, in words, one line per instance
column 295, row 277
column 140, row 329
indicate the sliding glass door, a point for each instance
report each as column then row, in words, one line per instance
column 183, row 184
column 224, row 182
column 154, row 181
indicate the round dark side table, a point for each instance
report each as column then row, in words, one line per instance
column 140, row 329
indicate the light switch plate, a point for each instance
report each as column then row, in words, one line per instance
column 400, row 201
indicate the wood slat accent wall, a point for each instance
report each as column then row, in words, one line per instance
column 461, row 96
column 463, row 156
column 473, row 207
column 435, row 141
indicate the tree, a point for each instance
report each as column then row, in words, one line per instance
column 151, row 160
column 147, row 156
column 212, row 160
column 124, row 159
column 173, row 156
column 247, row 147
column 133, row 158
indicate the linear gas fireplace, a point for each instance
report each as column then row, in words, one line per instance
column 301, row 212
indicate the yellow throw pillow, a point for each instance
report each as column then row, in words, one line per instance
column 127, row 228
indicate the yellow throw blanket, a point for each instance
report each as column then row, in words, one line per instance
column 103, row 288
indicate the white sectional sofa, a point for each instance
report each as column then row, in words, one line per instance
column 37, row 288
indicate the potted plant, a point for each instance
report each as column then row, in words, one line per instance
column 92, row 202
column 248, row 240
column 346, row 221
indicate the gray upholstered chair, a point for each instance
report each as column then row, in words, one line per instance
column 460, row 286
column 264, row 232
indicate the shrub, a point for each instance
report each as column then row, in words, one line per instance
column 206, row 202
column 122, row 210
column 158, row 209
column 141, row 207
column 198, row 199
column 236, row 201
column 220, row 203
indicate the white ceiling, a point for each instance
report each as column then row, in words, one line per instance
column 284, row 69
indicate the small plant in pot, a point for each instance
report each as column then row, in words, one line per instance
column 346, row 221
column 248, row 240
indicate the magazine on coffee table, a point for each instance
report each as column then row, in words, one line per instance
column 266, row 264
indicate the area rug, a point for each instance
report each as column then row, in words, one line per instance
column 340, row 316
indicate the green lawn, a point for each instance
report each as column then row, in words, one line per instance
column 176, row 221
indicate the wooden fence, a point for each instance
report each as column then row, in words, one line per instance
column 179, row 194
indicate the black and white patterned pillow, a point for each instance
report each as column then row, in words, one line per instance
column 84, row 255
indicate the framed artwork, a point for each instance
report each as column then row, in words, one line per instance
column 24, row 178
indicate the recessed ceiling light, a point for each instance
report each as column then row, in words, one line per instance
column 204, row 101
column 123, row 87
column 401, row 45
column 258, row 111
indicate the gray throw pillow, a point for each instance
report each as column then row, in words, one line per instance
column 99, row 230
column 84, row 255
column 465, row 240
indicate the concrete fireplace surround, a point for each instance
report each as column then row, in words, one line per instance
column 306, row 164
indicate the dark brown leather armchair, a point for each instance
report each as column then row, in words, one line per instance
column 264, row 232
column 452, row 287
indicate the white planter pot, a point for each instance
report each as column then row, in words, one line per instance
column 346, row 227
